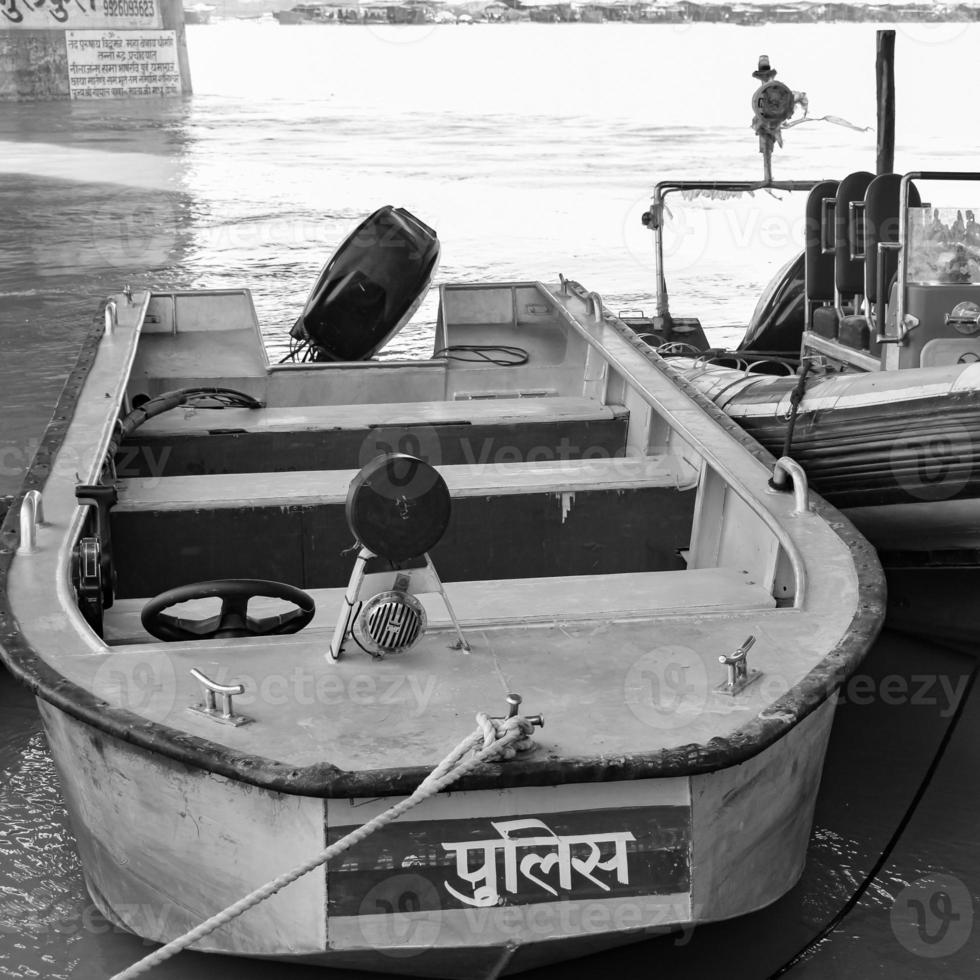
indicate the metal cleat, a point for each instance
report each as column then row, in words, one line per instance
column 226, row 714
column 739, row 675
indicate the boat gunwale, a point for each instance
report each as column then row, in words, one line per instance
column 327, row 781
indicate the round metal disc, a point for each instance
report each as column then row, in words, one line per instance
column 398, row 506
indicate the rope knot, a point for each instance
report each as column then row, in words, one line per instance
column 516, row 731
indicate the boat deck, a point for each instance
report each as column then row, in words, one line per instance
column 608, row 687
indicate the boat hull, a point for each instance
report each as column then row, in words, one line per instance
column 165, row 845
column 895, row 451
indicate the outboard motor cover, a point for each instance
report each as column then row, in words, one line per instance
column 370, row 287
column 777, row 324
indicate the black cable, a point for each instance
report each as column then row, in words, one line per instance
column 509, row 356
column 297, row 347
column 893, row 840
column 353, row 635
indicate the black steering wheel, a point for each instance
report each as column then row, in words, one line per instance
column 233, row 619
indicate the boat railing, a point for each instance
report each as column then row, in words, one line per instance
column 665, row 427
column 787, row 468
column 877, row 322
column 111, row 317
column 653, row 218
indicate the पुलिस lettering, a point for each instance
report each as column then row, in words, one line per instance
column 483, row 879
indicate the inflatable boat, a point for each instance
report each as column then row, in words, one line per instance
column 866, row 368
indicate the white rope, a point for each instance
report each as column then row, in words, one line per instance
column 499, row 738
column 834, row 120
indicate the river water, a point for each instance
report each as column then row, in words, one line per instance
column 532, row 149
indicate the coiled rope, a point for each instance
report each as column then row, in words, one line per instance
column 493, row 737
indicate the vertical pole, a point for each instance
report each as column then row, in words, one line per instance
column 885, row 81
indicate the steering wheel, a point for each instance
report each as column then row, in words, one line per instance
column 233, row 619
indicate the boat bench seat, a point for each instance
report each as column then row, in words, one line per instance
column 508, row 602
column 241, row 440
column 508, row 519
column 855, row 332
column 825, row 321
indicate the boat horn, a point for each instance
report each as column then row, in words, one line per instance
column 398, row 508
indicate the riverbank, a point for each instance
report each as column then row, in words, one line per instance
column 599, row 11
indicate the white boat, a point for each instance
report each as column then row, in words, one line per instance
column 541, row 510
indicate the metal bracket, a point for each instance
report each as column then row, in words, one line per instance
column 351, row 597
column 86, row 578
column 739, row 675
column 103, row 499
column 226, row 713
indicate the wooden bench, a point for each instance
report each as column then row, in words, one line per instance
column 324, row 488
column 240, row 440
column 514, row 602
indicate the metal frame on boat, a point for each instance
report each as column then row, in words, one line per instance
column 882, row 410
column 613, row 536
column 865, row 373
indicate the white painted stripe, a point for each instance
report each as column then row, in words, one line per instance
column 504, row 924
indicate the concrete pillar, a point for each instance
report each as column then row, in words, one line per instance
column 92, row 49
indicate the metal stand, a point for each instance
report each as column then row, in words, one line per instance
column 346, row 619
